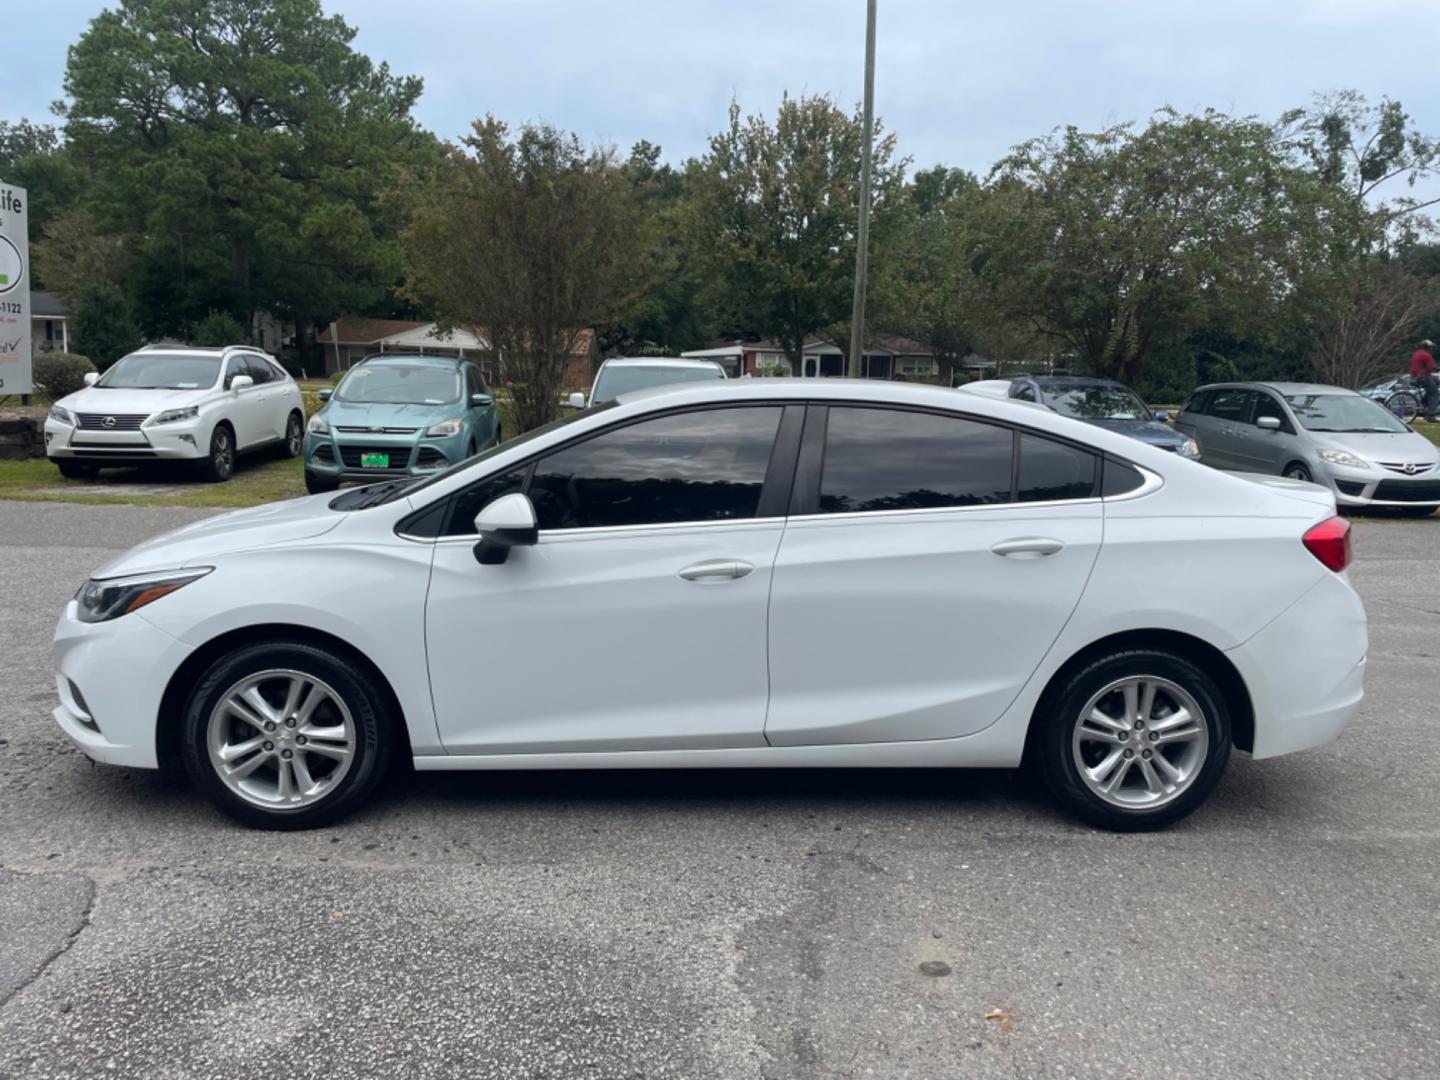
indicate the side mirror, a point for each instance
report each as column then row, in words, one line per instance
column 482, row 399
column 507, row 522
column 577, row 400
column 1162, row 415
column 240, row 382
column 324, row 395
column 91, row 378
column 1268, row 423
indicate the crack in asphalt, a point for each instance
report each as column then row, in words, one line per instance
column 71, row 936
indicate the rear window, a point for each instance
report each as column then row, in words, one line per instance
column 1054, row 470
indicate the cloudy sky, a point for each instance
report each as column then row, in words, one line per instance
column 959, row 82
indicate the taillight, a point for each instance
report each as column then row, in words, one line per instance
column 1330, row 543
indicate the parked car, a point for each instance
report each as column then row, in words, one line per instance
column 962, row 581
column 175, row 403
column 626, row 374
column 1337, row 438
column 399, row 413
column 1102, row 402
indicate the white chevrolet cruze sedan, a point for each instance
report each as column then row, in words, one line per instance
column 746, row 574
column 176, row 403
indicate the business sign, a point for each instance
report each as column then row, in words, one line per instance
column 14, row 291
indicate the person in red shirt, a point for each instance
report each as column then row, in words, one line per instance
column 1422, row 374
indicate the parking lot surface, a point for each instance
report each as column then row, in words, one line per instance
column 735, row 924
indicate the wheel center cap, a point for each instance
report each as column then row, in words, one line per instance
column 282, row 737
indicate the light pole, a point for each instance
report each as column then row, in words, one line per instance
column 862, row 236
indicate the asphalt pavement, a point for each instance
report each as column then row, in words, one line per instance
column 721, row 924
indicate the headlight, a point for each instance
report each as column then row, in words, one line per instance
column 446, row 427
column 173, row 416
column 101, row 601
column 62, row 416
column 1189, row 449
column 317, row 425
column 1344, row 457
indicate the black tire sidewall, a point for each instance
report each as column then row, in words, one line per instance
column 285, row 450
column 1058, row 713
column 363, row 698
column 1296, row 465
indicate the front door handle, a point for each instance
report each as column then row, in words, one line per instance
column 716, row 570
column 1027, row 547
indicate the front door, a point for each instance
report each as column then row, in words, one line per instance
column 928, row 577
column 242, row 408
column 638, row 622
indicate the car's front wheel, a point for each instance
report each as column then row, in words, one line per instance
column 1133, row 740
column 316, row 483
column 219, row 465
column 77, row 470
column 1298, row 470
column 286, row 735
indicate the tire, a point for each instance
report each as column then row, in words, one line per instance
column 219, row 466
column 1064, row 737
column 316, row 484
column 1298, row 470
column 294, row 441
column 77, row 470
column 341, row 767
column 1405, row 405
column 1416, row 511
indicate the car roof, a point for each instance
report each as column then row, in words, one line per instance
column 430, row 358
column 1072, row 380
column 1284, row 388
column 660, row 361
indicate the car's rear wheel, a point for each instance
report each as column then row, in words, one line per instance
column 1133, row 740
column 1298, row 470
column 286, row 735
column 77, row 470
column 315, row 484
column 219, row 466
column 294, row 440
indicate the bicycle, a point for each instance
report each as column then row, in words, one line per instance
column 1405, row 405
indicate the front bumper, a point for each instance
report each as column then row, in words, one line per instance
column 187, row 440
column 1380, row 486
column 338, row 454
column 121, row 669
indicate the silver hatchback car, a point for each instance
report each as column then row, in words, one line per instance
column 1324, row 434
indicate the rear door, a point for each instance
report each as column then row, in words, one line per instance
column 1228, row 412
column 929, row 563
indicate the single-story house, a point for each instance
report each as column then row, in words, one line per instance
column 347, row 341
column 49, row 323
column 883, row 358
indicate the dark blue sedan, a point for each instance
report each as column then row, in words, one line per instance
column 1104, row 403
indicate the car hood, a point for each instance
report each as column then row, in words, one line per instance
column 353, row 414
column 240, row 530
column 1399, row 446
column 1147, row 431
column 99, row 400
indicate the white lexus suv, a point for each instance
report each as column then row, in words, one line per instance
column 174, row 403
column 737, row 573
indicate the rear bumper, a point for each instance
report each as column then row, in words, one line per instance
column 1306, row 670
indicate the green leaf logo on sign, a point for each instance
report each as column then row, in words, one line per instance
column 12, row 267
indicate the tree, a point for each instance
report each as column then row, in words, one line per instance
column 32, row 156
column 775, row 214
column 104, row 326
column 1118, row 242
column 218, row 328
column 75, row 256
column 530, row 239
column 1370, row 321
column 246, row 144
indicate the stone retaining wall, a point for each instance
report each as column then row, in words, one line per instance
column 21, row 436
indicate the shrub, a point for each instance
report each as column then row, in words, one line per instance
column 61, row 373
column 217, row 329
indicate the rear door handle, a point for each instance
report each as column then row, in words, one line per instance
column 1027, row 547
column 716, row 570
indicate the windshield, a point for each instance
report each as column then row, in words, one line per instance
column 615, row 381
column 397, row 383
column 390, row 490
column 1343, row 412
column 161, row 371
column 1097, row 403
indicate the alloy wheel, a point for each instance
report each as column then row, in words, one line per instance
column 294, row 436
column 1140, row 742
column 222, row 453
column 281, row 739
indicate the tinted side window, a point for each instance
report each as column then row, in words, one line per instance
column 1265, row 405
column 460, row 521
column 1229, row 404
column 1053, row 470
column 1026, row 392
column 1120, row 479
column 472, row 381
column 235, row 366
column 259, row 370
column 885, row 459
column 1197, row 401
column 697, row 466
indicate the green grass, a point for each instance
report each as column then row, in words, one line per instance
column 1430, row 431
column 260, row 478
